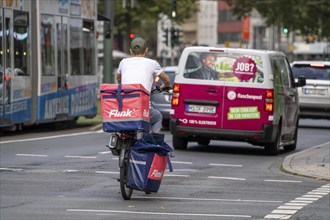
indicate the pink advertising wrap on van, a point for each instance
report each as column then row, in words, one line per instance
column 226, row 107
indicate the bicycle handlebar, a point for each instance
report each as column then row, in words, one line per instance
column 165, row 89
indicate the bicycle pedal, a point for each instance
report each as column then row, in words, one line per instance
column 113, row 150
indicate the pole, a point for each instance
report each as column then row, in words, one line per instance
column 108, row 76
column 171, row 44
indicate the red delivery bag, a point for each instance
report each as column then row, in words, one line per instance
column 124, row 107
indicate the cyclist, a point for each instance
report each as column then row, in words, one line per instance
column 139, row 69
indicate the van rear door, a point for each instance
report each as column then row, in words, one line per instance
column 200, row 105
column 244, row 108
column 238, row 99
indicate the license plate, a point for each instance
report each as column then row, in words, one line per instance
column 203, row 109
column 309, row 91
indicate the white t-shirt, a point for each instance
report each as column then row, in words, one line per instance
column 139, row 70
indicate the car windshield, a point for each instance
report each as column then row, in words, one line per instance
column 311, row 72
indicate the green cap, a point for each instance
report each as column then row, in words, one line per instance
column 138, row 45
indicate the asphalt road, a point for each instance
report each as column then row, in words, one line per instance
column 69, row 174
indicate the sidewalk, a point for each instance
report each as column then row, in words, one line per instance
column 313, row 162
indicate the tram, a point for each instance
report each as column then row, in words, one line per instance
column 48, row 61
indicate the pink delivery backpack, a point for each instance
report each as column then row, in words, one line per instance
column 125, row 107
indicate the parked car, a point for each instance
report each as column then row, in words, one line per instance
column 162, row 101
column 251, row 97
column 314, row 98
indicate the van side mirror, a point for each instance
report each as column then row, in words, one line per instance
column 301, row 82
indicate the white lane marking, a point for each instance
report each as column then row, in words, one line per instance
column 302, row 201
column 105, row 152
column 322, row 189
column 225, row 165
column 225, row 178
column 106, row 172
column 81, row 157
column 32, row 155
column 180, row 162
column 176, row 175
column 288, row 209
column 279, row 211
column 295, row 204
column 318, row 193
column 48, row 137
column 207, row 199
column 278, row 216
column 71, row 171
column 10, row 169
column 312, row 196
column 284, row 181
column 185, row 170
column 307, row 199
column 159, row 213
column 325, row 193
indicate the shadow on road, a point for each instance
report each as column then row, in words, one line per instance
column 233, row 148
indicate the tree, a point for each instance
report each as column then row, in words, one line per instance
column 141, row 18
column 309, row 18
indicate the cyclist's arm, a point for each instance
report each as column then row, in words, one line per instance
column 166, row 80
column 118, row 77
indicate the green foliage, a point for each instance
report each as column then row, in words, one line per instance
column 142, row 18
column 310, row 18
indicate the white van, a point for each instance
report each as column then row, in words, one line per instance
column 235, row 94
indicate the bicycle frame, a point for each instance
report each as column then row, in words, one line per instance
column 127, row 140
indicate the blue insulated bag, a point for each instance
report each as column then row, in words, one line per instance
column 147, row 163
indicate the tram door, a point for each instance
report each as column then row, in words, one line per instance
column 5, row 64
column 62, row 63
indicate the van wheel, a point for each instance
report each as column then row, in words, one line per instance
column 292, row 147
column 179, row 143
column 273, row 148
column 204, row 142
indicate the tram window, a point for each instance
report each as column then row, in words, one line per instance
column 47, row 44
column 88, row 48
column 65, row 49
column 62, row 48
column 75, row 46
column 21, row 42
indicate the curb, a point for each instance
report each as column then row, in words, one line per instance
column 309, row 162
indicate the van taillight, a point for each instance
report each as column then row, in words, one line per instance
column 176, row 95
column 269, row 100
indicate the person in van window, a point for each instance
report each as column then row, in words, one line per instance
column 139, row 69
column 207, row 70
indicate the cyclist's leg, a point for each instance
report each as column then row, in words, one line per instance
column 155, row 120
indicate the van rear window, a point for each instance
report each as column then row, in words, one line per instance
column 224, row 67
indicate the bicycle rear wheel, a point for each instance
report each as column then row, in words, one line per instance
column 125, row 191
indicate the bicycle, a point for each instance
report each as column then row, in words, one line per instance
column 120, row 144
